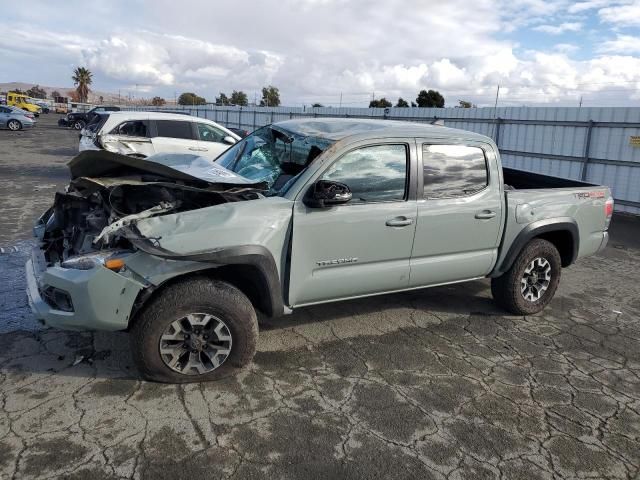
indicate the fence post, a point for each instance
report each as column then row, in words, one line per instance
column 272, row 112
column 497, row 139
column 587, row 148
column 239, row 117
column 226, row 122
column 254, row 117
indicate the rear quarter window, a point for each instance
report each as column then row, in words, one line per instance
column 132, row 128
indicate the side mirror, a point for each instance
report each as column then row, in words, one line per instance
column 229, row 140
column 326, row 193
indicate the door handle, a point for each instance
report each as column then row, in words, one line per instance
column 197, row 149
column 485, row 215
column 399, row 222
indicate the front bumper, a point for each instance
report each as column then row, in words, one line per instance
column 102, row 299
column 64, row 122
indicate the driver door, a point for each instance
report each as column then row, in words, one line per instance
column 364, row 246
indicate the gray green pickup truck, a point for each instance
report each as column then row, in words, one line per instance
column 181, row 252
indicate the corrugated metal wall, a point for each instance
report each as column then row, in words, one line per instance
column 592, row 144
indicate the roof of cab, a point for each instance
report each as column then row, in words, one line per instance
column 142, row 114
column 340, row 128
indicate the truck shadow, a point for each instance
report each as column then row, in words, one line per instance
column 106, row 355
column 457, row 299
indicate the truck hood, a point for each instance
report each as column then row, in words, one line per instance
column 110, row 193
column 191, row 169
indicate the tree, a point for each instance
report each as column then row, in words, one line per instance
column 82, row 78
column 431, row 99
column 270, row 96
column 317, row 105
column 413, row 105
column 158, row 101
column 238, row 97
column 55, row 94
column 380, row 103
column 37, row 92
column 222, row 99
column 465, row 104
column 190, row 98
column 402, row 103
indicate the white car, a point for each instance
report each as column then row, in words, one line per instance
column 141, row 134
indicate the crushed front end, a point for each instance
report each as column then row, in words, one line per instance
column 85, row 271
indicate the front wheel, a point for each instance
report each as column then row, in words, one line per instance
column 78, row 125
column 196, row 330
column 14, row 125
column 531, row 282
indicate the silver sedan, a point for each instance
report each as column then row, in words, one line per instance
column 15, row 118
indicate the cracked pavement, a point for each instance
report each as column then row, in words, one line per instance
column 438, row 383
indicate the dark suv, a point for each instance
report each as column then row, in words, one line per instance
column 78, row 120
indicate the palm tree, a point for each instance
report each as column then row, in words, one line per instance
column 82, row 78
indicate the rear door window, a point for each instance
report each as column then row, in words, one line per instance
column 453, row 170
column 132, row 128
column 175, row 129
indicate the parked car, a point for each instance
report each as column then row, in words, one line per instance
column 45, row 107
column 78, row 120
column 181, row 254
column 15, row 118
column 142, row 134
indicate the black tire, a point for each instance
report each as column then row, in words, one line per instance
column 202, row 295
column 14, row 122
column 507, row 290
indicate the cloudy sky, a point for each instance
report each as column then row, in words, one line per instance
column 538, row 51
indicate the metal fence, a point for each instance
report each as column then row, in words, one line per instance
column 598, row 145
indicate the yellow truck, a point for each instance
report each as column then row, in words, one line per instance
column 24, row 102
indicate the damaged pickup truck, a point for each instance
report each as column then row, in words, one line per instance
column 181, row 252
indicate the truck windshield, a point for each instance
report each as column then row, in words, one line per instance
column 273, row 155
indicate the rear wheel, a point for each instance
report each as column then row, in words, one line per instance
column 531, row 282
column 78, row 125
column 196, row 330
column 14, row 125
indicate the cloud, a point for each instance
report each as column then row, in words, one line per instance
column 622, row 15
column 559, row 29
column 580, row 7
column 316, row 50
column 627, row 44
column 566, row 47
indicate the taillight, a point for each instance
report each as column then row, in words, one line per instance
column 608, row 212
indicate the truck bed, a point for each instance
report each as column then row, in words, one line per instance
column 523, row 180
column 532, row 199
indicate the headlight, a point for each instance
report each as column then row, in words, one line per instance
column 111, row 259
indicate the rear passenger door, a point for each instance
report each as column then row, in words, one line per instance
column 175, row 136
column 459, row 213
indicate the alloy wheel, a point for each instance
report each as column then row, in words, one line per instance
column 195, row 344
column 536, row 279
column 14, row 125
